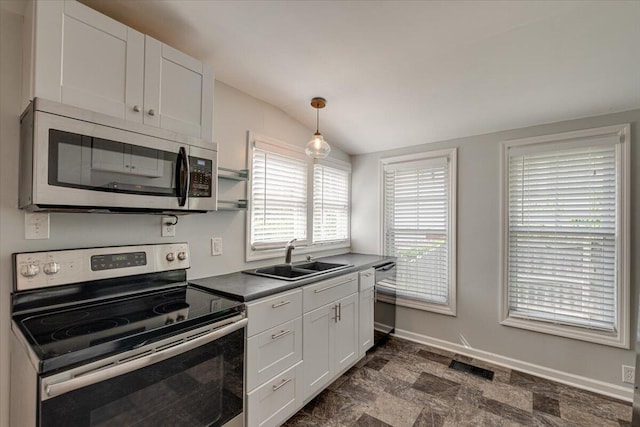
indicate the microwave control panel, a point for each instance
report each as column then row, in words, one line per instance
column 200, row 177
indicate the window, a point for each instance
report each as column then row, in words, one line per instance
column 330, row 204
column 419, row 228
column 291, row 197
column 566, row 231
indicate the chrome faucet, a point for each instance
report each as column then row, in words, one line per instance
column 289, row 248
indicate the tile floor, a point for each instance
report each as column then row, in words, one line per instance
column 406, row 384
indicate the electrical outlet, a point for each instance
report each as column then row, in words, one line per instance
column 168, row 226
column 216, row 246
column 36, row 225
column 628, row 374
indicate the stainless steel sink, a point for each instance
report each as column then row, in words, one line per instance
column 297, row 271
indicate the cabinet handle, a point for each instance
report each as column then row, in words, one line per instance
column 280, row 304
column 152, row 112
column 335, row 313
column 317, row 291
column 282, row 383
column 339, row 311
column 280, row 334
column 136, row 108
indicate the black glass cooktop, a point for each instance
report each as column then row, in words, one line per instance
column 68, row 336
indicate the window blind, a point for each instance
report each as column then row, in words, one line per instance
column 278, row 199
column 562, row 236
column 416, row 212
column 330, row 204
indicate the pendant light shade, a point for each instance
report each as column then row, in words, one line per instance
column 318, row 147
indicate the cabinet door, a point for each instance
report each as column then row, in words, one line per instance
column 318, row 348
column 365, row 322
column 88, row 60
column 346, row 333
column 273, row 351
column 276, row 400
column 178, row 91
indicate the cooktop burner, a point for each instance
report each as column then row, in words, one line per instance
column 63, row 336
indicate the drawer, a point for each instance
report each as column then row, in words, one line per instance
column 273, row 351
column 327, row 291
column 271, row 311
column 275, row 401
column 367, row 279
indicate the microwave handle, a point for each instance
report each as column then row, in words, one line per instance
column 182, row 176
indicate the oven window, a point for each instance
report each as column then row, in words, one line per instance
column 201, row 387
column 80, row 161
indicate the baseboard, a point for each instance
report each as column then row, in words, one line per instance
column 600, row 387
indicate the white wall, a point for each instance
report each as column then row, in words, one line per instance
column 477, row 321
column 234, row 114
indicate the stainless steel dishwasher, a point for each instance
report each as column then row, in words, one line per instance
column 385, row 302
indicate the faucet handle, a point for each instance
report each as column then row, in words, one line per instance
column 309, row 258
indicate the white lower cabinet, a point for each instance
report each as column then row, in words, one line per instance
column 272, row 351
column 367, row 300
column 277, row 399
column 332, row 344
column 299, row 341
column 365, row 324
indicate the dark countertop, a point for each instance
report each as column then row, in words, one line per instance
column 247, row 287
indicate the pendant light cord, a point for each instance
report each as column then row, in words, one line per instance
column 317, row 118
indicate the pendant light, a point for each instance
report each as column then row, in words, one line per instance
column 318, row 147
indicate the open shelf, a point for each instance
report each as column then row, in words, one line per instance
column 232, row 205
column 233, row 174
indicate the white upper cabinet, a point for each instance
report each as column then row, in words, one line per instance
column 83, row 58
column 178, row 91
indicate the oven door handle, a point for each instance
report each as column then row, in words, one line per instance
column 147, row 357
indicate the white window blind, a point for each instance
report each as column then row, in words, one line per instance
column 562, row 221
column 417, row 229
column 330, row 204
column 278, row 199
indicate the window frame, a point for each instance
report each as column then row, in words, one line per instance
column 284, row 149
column 345, row 167
column 621, row 337
column 452, row 154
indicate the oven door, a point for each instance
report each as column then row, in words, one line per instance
column 192, row 379
column 82, row 164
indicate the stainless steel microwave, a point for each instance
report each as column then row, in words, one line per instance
column 76, row 160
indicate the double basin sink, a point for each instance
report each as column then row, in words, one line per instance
column 293, row 272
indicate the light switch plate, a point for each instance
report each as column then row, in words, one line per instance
column 36, row 225
column 216, row 246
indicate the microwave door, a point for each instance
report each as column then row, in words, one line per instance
column 93, row 166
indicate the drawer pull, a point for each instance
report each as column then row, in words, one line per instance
column 317, row 291
column 282, row 383
column 280, row 334
column 280, row 304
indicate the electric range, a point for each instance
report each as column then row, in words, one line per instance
column 120, row 336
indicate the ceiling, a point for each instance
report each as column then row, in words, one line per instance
column 400, row 73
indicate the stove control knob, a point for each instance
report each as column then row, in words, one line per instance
column 179, row 318
column 51, row 268
column 29, row 270
column 182, row 256
column 171, row 256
